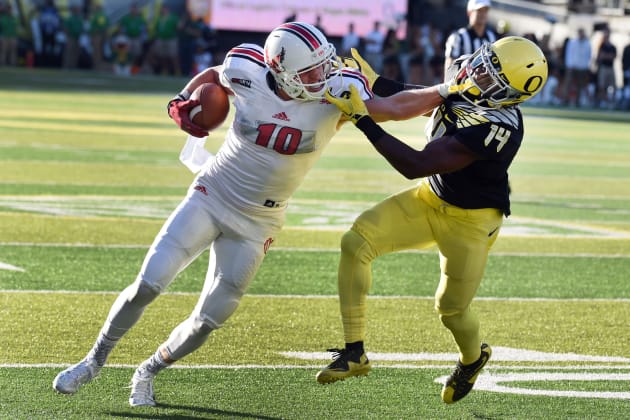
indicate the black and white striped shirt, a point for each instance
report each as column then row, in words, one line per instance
column 466, row 41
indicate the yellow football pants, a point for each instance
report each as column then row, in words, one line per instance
column 417, row 219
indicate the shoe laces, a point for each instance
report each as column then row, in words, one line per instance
column 142, row 384
column 340, row 353
column 467, row 371
column 84, row 368
column 341, row 357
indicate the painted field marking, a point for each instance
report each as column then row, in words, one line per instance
column 315, row 250
column 499, row 354
column 5, row 266
column 491, row 381
column 274, row 296
column 303, row 213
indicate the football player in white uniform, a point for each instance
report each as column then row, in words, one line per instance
column 236, row 205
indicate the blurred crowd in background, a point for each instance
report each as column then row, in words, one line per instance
column 77, row 37
column 177, row 43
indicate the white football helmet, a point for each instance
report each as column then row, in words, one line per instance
column 294, row 49
column 506, row 72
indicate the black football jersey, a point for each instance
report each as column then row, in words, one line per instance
column 495, row 135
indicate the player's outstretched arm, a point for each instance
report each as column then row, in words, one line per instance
column 404, row 105
column 446, row 154
column 384, row 87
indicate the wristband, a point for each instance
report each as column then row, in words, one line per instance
column 387, row 87
column 184, row 95
column 372, row 131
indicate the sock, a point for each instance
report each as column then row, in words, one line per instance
column 102, row 347
column 155, row 363
column 356, row 346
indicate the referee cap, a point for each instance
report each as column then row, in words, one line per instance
column 477, row 4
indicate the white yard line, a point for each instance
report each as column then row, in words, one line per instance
column 319, row 366
column 295, row 249
column 5, row 266
column 272, row 296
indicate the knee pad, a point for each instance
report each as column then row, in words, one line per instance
column 188, row 337
column 199, row 325
column 352, row 242
column 447, row 319
column 142, row 293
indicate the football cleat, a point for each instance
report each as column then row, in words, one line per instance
column 346, row 363
column 142, row 389
column 70, row 380
column 461, row 381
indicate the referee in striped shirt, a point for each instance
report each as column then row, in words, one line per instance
column 469, row 39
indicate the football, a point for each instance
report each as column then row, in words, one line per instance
column 214, row 106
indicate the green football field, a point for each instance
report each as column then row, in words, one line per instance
column 89, row 170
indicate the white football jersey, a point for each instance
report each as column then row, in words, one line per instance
column 272, row 143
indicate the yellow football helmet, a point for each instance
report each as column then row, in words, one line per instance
column 506, row 72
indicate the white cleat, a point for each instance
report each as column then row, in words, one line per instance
column 142, row 389
column 70, row 380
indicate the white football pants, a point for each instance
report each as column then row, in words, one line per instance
column 238, row 243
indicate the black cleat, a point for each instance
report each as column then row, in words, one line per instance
column 346, row 363
column 461, row 381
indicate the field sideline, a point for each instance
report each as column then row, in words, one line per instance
column 89, row 170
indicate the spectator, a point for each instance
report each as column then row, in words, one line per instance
column 99, row 27
column 122, row 56
column 291, row 17
column 8, row 36
column 417, row 69
column 625, row 65
column 548, row 94
column 134, row 26
column 374, row 47
column 606, row 85
column 436, row 58
column 468, row 39
column 391, row 57
column 164, row 48
column 73, row 27
column 350, row 40
column 190, row 31
column 318, row 24
column 34, row 54
column 204, row 58
column 49, row 29
column 577, row 62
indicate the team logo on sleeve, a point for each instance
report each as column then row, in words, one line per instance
column 243, row 82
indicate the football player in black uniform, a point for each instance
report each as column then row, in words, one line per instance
column 459, row 204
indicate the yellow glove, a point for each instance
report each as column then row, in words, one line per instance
column 454, row 83
column 454, row 87
column 350, row 104
column 357, row 62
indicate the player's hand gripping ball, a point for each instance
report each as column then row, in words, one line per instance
column 213, row 108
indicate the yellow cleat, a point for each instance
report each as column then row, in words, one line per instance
column 346, row 363
column 461, row 381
